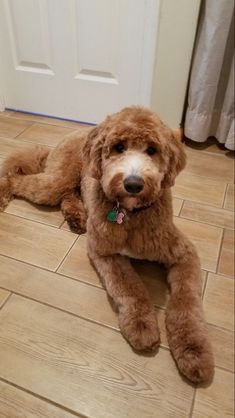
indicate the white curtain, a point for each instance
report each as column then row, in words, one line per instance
column 210, row 110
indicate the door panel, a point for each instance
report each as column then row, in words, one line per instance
column 30, row 43
column 77, row 59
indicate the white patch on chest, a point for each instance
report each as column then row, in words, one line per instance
column 130, row 254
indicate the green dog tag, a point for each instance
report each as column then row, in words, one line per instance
column 112, row 216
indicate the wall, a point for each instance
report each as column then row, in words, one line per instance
column 176, row 34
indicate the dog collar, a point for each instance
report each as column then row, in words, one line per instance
column 136, row 210
column 118, row 214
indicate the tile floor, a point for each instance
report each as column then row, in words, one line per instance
column 61, row 353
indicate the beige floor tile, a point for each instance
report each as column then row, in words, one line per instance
column 61, row 292
column 47, row 120
column 6, row 113
column 208, row 214
column 11, row 127
column 223, row 347
column 15, row 403
column 207, row 239
column 229, row 199
column 77, row 264
column 217, row 400
column 43, row 214
column 32, row 242
column 226, row 263
column 177, row 205
column 209, row 165
column 3, row 296
column 219, row 301
column 45, row 134
column 199, row 189
column 67, row 359
column 7, row 146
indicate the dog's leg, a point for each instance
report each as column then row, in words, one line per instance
column 137, row 317
column 42, row 188
column 184, row 316
column 74, row 213
column 5, row 193
column 25, row 162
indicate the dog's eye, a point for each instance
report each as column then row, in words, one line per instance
column 119, row 148
column 151, row 150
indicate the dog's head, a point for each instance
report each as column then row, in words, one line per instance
column 134, row 155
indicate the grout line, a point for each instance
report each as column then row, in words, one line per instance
column 220, row 251
column 193, row 402
column 219, row 327
column 84, row 318
column 203, row 222
column 42, row 398
column 225, row 276
column 62, row 223
column 225, row 194
column 204, row 286
column 29, row 126
column 6, row 300
column 179, row 215
column 215, row 179
column 41, row 144
column 67, row 252
column 225, row 370
column 207, row 223
column 33, row 220
column 30, row 264
column 80, row 280
column 198, row 202
column 52, row 271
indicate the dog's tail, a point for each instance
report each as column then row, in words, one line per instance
column 31, row 161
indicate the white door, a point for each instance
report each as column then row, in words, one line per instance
column 77, row 59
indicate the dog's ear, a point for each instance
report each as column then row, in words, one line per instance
column 176, row 160
column 92, row 150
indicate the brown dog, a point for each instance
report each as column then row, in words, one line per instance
column 123, row 170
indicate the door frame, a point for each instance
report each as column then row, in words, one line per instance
column 152, row 20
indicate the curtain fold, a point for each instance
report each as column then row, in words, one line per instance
column 210, row 110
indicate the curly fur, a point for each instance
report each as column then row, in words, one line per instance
column 90, row 160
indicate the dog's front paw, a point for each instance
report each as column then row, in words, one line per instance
column 75, row 225
column 195, row 361
column 140, row 330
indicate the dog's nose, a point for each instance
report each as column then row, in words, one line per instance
column 133, row 184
